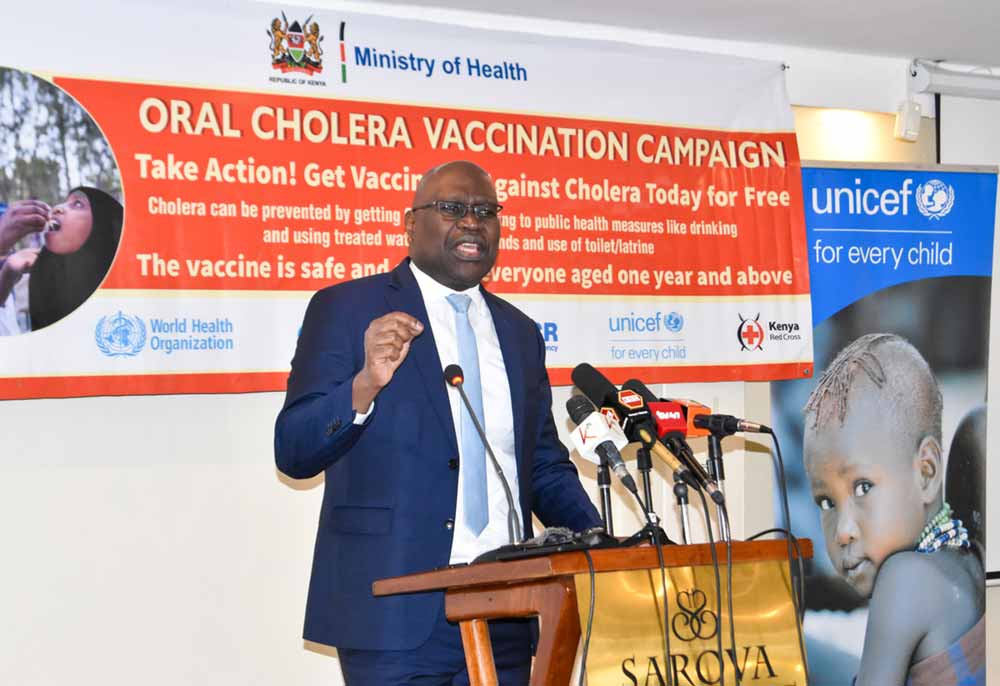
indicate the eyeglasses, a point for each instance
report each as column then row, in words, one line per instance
column 452, row 209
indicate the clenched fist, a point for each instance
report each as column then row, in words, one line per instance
column 387, row 342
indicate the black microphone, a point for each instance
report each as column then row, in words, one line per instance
column 674, row 440
column 726, row 424
column 454, row 376
column 629, row 411
column 598, row 434
column 632, row 413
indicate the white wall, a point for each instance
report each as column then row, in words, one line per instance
column 970, row 135
column 150, row 540
column 820, row 78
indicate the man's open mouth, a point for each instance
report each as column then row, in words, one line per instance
column 469, row 249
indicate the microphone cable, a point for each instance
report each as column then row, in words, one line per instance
column 590, row 616
column 799, row 593
column 655, row 531
column 724, row 514
column 801, row 567
column 798, row 598
column 795, row 542
column 718, row 588
column 724, row 511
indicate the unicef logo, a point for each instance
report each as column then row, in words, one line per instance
column 120, row 335
column 674, row 322
column 935, row 198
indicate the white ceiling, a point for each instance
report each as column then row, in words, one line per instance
column 960, row 31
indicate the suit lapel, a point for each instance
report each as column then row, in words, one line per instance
column 404, row 295
column 511, row 348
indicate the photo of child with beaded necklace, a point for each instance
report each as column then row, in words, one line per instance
column 872, row 453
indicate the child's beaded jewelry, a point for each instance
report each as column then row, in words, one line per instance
column 943, row 531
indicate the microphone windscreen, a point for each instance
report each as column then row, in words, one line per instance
column 592, row 383
column 453, row 375
column 669, row 418
column 579, row 408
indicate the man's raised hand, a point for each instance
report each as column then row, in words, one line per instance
column 387, row 342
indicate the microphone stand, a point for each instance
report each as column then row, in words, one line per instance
column 645, row 465
column 718, row 473
column 681, row 493
column 513, row 517
column 651, row 531
column 604, row 486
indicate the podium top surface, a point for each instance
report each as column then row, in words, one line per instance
column 575, row 562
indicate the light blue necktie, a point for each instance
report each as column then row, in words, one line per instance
column 474, row 499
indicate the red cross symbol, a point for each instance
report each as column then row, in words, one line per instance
column 751, row 335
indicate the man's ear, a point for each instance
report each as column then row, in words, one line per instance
column 409, row 221
column 931, row 469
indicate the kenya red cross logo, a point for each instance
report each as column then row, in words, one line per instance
column 750, row 333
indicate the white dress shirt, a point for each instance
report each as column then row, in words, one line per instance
column 499, row 419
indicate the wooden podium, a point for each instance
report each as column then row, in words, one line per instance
column 546, row 587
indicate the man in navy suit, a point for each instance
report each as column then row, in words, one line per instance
column 367, row 404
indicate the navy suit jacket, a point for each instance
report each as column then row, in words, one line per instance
column 391, row 485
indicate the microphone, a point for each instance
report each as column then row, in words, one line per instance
column 726, row 424
column 624, row 407
column 689, row 411
column 692, row 411
column 454, row 377
column 628, row 408
column 668, row 416
column 671, row 419
column 597, row 437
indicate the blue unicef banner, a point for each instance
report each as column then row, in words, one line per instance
column 889, row 437
column 869, row 229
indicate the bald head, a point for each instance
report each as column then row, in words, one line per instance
column 426, row 185
column 456, row 251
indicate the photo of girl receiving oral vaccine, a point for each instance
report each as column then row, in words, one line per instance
column 60, row 209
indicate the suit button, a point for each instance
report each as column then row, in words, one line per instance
column 449, row 524
column 453, row 463
column 332, row 427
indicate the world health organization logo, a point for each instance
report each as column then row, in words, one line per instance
column 935, row 198
column 120, row 335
